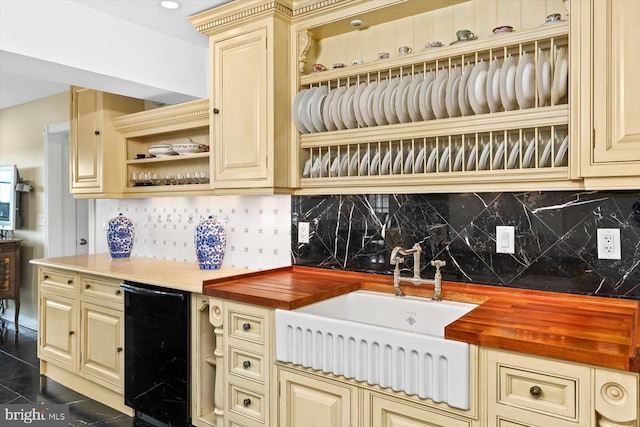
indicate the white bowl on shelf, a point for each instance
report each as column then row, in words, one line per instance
column 161, row 150
column 188, row 147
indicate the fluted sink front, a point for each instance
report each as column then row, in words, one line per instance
column 391, row 341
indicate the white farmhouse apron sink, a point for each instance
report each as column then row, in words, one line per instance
column 383, row 339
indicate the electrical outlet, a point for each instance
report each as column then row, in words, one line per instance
column 609, row 243
column 505, row 239
column 303, row 232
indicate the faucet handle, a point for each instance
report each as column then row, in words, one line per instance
column 396, row 260
column 437, row 263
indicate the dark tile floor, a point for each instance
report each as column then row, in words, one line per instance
column 20, row 382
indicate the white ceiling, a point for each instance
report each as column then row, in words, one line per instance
column 28, row 72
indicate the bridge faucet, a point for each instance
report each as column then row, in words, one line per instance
column 416, row 280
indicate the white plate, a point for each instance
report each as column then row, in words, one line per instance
column 561, row 155
column 366, row 104
column 508, row 84
column 420, row 161
column 525, row 81
column 324, row 164
column 375, row 163
column 527, row 159
column 483, row 163
column 476, row 88
column 408, row 162
column 304, row 109
column 326, row 115
column 295, row 111
column 346, row 108
column 334, row 108
column 397, row 162
column 424, row 100
column 431, row 163
column 344, row 165
column 438, row 95
column 457, row 164
column 413, row 98
column 317, row 102
column 545, row 159
column 401, row 107
column 512, row 163
column 451, row 97
column 389, row 101
column 544, row 78
column 377, row 101
column 364, row 163
column 499, row 154
column 315, row 169
column 385, row 168
column 471, row 160
column 354, row 163
column 463, row 96
column 335, row 165
column 356, row 104
column 444, row 160
column 493, row 86
column 559, row 87
column 306, row 172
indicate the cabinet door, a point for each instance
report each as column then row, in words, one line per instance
column 57, row 335
column 310, row 402
column 240, row 119
column 616, row 61
column 102, row 344
column 85, row 141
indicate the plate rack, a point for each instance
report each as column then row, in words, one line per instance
column 544, row 120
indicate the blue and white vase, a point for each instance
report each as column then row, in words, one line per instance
column 210, row 241
column 120, row 232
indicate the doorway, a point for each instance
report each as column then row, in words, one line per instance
column 66, row 219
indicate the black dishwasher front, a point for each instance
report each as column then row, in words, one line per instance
column 157, row 353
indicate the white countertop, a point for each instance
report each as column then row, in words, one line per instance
column 185, row 276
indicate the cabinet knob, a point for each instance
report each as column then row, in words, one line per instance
column 119, row 349
column 46, row 276
column 535, row 391
column 246, row 402
column 118, row 291
column 246, row 364
column 87, row 286
column 97, row 132
column 71, row 332
column 82, row 242
column 69, row 282
column 216, row 111
column 246, row 326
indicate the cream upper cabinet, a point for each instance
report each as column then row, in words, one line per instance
column 249, row 51
column 96, row 149
column 609, row 89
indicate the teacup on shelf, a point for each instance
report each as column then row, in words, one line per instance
column 503, row 29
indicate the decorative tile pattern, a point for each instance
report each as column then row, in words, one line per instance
column 257, row 227
column 555, row 238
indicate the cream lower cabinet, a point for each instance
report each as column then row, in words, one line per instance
column 81, row 334
column 527, row 391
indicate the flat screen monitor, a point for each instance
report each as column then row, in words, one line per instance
column 9, row 198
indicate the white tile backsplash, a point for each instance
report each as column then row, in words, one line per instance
column 258, row 227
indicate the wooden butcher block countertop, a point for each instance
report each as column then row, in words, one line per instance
column 582, row 329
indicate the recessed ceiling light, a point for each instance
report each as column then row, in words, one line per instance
column 168, row 4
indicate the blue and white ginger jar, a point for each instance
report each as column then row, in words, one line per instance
column 120, row 232
column 210, row 241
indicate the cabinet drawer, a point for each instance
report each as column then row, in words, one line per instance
column 101, row 288
column 501, row 422
column 57, row 278
column 246, row 403
column 247, row 364
column 245, row 326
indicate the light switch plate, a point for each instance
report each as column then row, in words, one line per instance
column 609, row 243
column 505, row 239
column 303, row 232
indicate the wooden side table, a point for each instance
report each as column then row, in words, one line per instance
column 10, row 272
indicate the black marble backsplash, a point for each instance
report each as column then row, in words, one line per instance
column 555, row 237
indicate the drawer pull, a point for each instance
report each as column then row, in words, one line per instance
column 216, row 111
column 246, row 402
column 87, row 286
column 69, row 282
column 246, row 326
column 46, row 276
column 118, row 291
column 119, row 349
column 535, row 391
column 246, row 364
column 71, row 332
